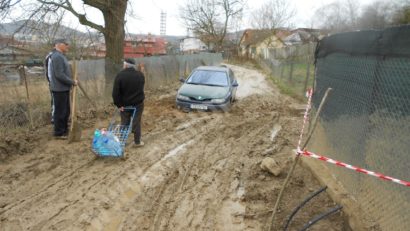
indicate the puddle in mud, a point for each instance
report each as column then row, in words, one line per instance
column 190, row 124
column 241, row 192
column 155, row 172
column 176, row 150
column 275, row 131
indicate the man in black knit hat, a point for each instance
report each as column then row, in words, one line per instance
column 128, row 91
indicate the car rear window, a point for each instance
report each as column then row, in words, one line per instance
column 207, row 77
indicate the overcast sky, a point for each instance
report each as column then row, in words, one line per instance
column 147, row 14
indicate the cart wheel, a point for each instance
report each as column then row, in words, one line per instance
column 124, row 156
column 96, row 156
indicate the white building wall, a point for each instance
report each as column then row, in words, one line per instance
column 192, row 44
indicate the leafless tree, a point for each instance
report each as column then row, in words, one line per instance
column 402, row 13
column 112, row 29
column 377, row 15
column 113, row 12
column 382, row 14
column 6, row 5
column 352, row 8
column 342, row 16
column 273, row 14
column 210, row 19
column 338, row 16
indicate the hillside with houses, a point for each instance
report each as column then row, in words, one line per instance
column 29, row 47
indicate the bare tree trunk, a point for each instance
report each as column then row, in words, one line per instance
column 112, row 61
column 114, row 30
column 114, row 40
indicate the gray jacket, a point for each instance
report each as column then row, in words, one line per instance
column 59, row 73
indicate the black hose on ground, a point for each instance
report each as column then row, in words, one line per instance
column 321, row 216
column 301, row 205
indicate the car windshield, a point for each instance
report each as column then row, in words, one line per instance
column 209, row 77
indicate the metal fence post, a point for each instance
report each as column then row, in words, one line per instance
column 282, row 69
column 307, row 76
column 291, row 72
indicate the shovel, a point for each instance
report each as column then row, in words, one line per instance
column 75, row 126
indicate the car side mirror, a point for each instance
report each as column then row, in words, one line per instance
column 182, row 80
column 235, row 83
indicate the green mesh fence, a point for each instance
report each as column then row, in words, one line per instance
column 366, row 119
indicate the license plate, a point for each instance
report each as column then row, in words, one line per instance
column 198, row 106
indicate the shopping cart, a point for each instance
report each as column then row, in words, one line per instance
column 111, row 142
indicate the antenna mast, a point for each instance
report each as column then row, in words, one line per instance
column 163, row 25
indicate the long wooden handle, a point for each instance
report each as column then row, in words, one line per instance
column 22, row 73
column 73, row 103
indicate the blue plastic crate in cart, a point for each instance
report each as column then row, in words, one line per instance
column 111, row 142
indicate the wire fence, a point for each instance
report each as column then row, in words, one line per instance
column 291, row 67
column 25, row 99
column 366, row 119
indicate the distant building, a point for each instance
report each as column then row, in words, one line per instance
column 135, row 47
column 97, row 50
column 303, row 36
column 191, row 45
column 12, row 51
column 255, row 43
column 145, row 46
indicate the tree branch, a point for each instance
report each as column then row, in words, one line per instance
column 102, row 5
column 81, row 17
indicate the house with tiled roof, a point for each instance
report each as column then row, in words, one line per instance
column 144, row 46
column 256, row 43
column 303, row 36
column 135, row 47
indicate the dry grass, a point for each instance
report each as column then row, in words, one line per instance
column 14, row 103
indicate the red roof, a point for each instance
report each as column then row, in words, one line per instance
column 138, row 47
column 148, row 46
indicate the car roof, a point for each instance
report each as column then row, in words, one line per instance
column 213, row 68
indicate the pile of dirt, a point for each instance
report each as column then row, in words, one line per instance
column 197, row 171
column 18, row 143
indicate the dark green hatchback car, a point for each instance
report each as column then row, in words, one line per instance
column 207, row 88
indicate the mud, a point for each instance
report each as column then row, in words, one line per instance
column 197, row 171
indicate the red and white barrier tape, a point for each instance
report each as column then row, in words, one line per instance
column 309, row 94
column 357, row 169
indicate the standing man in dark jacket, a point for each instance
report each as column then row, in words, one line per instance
column 60, row 84
column 128, row 91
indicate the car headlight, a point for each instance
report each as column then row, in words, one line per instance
column 182, row 97
column 222, row 100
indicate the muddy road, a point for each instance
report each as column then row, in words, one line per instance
column 197, row 171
